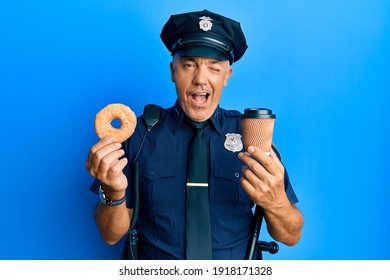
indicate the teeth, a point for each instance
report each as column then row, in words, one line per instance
column 200, row 98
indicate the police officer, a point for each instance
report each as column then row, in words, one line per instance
column 204, row 45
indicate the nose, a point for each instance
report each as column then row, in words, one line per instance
column 200, row 76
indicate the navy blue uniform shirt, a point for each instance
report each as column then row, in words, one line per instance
column 163, row 175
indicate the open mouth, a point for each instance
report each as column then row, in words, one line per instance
column 200, row 98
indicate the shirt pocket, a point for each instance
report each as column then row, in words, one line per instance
column 158, row 184
column 227, row 188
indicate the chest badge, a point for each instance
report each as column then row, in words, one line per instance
column 233, row 142
column 205, row 23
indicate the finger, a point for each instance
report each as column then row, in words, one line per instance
column 96, row 158
column 264, row 159
column 108, row 161
column 255, row 194
column 247, row 158
column 103, row 142
column 252, row 176
column 117, row 168
column 248, row 187
column 99, row 145
column 115, row 176
column 251, row 160
column 253, row 172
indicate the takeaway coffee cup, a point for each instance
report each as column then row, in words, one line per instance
column 257, row 128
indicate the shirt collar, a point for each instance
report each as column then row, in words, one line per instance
column 179, row 117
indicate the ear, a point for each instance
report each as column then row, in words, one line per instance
column 172, row 69
column 229, row 73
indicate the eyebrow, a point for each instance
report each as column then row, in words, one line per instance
column 193, row 59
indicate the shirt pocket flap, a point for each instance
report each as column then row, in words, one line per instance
column 157, row 169
column 228, row 169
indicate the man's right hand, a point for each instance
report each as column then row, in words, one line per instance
column 105, row 165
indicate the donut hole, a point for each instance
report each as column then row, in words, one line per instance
column 116, row 123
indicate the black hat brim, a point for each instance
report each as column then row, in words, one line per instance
column 202, row 51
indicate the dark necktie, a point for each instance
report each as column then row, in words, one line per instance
column 198, row 229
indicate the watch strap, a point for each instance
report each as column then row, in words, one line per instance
column 107, row 201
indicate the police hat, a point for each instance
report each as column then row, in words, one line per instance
column 204, row 34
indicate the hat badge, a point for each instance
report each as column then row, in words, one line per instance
column 205, row 23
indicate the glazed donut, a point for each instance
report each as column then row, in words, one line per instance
column 105, row 116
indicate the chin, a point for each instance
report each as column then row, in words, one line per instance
column 197, row 114
column 200, row 116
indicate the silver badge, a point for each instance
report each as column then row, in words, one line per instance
column 233, row 142
column 205, row 23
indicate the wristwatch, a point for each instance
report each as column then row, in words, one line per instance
column 106, row 201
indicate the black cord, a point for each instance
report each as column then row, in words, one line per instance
column 152, row 114
column 255, row 233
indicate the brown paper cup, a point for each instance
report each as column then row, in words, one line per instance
column 257, row 128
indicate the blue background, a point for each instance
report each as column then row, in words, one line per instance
column 322, row 66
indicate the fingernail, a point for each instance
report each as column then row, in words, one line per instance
column 109, row 138
column 251, row 149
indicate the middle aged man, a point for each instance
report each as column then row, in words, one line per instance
column 185, row 212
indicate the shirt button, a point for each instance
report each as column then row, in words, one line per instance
column 237, row 174
column 151, row 172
